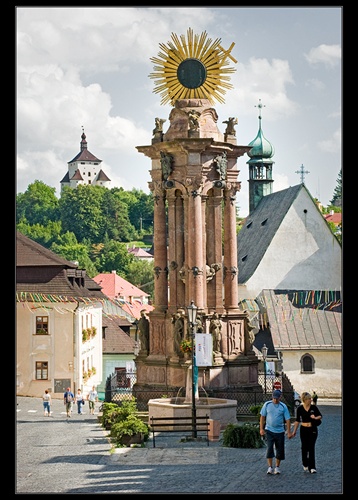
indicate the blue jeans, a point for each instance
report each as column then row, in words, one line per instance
column 47, row 407
column 275, row 445
column 79, row 406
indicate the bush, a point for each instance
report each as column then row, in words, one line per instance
column 129, row 427
column 242, row 436
column 255, row 410
column 110, row 415
column 123, row 421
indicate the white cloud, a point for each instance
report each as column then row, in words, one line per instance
column 329, row 55
column 265, row 80
column 315, row 84
column 333, row 144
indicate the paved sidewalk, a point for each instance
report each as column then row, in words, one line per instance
column 73, row 455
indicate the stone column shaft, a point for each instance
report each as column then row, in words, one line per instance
column 230, row 252
column 160, row 254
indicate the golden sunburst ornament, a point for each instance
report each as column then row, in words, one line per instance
column 192, row 68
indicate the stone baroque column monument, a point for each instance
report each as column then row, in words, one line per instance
column 194, row 184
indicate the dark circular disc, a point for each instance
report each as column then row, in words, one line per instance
column 191, row 73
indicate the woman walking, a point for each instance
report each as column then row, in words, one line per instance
column 46, row 401
column 309, row 418
column 79, row 401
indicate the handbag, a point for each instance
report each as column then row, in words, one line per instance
column 83, row 401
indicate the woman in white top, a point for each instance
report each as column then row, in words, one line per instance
column 79, row 399
column 46, row 401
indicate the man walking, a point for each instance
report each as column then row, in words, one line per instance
column 92, row 398
column 273, row 416
column 68, row 398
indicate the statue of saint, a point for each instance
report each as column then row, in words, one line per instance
column 221, row 165
column 215, row 330
column 193, row 120
column 178, row 321
column 143, row 325
column 166, row 161
column 158, row 125
column 230, row 123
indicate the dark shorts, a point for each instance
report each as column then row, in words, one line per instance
column 275, row 445
column 91, row 405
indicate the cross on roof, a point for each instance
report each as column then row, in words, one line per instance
column 302, row 172
column 260, row 106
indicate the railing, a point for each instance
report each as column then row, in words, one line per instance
column 120, row 389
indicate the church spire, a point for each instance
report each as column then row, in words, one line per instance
column 83, row 143
column 260, row 165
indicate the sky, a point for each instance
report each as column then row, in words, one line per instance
column 89, row 67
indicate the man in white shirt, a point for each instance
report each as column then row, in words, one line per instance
column 92, row 398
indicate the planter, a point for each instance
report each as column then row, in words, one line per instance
column 135, row 439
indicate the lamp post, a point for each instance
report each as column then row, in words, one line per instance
column 192, row 312
column 264, row 355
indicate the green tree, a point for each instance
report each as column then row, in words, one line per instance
column 117, row 222
column 68, row 247
column 140, row 209
column 45, row 235
column 141, row 274
column 81, row 212
column 114, row 256
column 337, row 193
column 38, row 205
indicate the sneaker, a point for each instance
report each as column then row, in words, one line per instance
column 305, row 469
column 313, row 471
column 270, row 470
column 277, row 470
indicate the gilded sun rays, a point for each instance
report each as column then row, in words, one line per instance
column 194, row 67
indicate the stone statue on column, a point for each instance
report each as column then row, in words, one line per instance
column 178, row 322
column 230, row 124
column 215, row 330
column 143, row 325
column 221, row 165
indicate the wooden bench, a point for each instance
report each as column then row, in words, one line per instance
column 179, row 424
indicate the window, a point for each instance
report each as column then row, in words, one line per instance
column 41, row 370
column 122, row 379
column 41, row 325
column 307, row 364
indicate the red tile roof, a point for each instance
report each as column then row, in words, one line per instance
column 140, row 253
column 336, row 218
column 130, row 298
column 115, row 286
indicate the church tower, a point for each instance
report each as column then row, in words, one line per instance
column 194, row 182
column 260, row 166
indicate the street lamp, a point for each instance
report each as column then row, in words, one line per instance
column 192, row 312
column 264, row 355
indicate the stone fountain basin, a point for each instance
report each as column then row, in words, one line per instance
column 222, row 410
